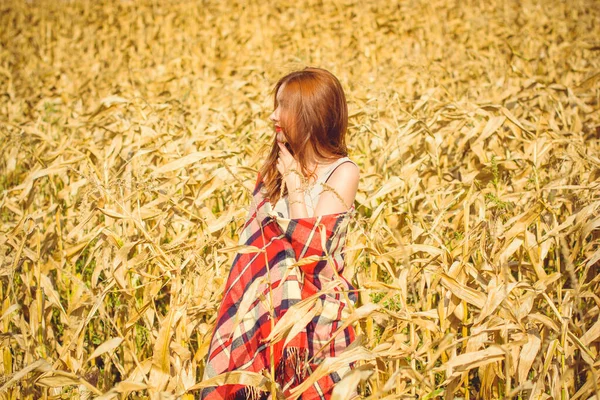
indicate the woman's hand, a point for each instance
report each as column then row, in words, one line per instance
column 289, row 168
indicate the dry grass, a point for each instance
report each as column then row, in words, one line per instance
column 132, row 132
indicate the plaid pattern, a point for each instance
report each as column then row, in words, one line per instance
column 244, row 320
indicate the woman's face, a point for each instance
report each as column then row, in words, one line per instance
column 276, row 116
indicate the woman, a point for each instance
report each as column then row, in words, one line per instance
column 285, row 301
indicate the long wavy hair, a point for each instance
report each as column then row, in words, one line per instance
column 313, row 113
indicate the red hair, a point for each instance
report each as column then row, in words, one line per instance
column 314, row 113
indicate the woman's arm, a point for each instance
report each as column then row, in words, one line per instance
column 296, row 203
column 340, row 190
column 289, row 168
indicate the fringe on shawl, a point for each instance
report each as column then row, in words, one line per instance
column 252, row 393
column 292, row 359
column 296, row 360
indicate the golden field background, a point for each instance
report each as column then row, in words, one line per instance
column 131, row 137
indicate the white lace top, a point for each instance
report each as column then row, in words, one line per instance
column 311, row 197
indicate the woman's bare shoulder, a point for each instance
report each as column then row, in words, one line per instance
column 340, row 190
column 346, row 170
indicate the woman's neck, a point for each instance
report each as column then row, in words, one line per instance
column 318, row 166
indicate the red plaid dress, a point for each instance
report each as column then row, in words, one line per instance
column 244, row 317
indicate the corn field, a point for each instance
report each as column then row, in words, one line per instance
column 132, row 132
